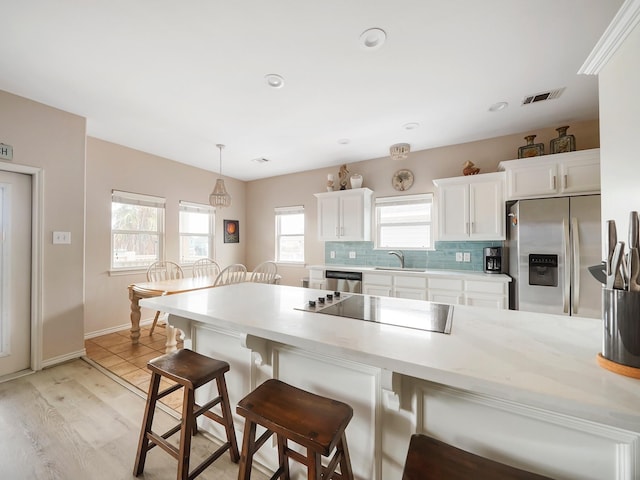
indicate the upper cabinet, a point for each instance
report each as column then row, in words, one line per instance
column 471, row 207
column 570, row 173
column 345, row 215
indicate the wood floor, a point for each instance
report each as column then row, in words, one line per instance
column 73, row 421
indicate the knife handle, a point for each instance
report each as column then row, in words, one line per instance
column 611, row 240
column 633, row 230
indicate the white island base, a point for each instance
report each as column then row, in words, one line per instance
column 520, row 388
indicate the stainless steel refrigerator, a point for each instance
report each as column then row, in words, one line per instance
column 551, row 242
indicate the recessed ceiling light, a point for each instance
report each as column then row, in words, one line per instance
column 274, row 80
column 411, row 125
column 496, row 107
column 373, row 38
column 343, row 141
column 260, row 160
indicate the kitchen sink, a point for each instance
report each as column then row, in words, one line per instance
column 398, row 269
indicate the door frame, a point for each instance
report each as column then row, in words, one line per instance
column 37, row 207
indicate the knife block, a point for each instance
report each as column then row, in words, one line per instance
column 621, row 336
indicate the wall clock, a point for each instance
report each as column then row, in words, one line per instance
column 402, row 180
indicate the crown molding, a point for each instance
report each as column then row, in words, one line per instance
column 622, row 24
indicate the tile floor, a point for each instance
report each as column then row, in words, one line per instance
column 129, row 362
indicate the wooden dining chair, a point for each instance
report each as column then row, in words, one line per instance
column 162, row 270
column 431, row 459
column 266, row 272
column 205, row 267
column 236, row 273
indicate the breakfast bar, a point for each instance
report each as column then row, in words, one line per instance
column 518, row 387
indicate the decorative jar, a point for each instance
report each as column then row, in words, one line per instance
column 356, row 180
column 564, row 143
column 531, row 149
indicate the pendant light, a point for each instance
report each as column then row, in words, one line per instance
column 399, row 151
column 219, row 197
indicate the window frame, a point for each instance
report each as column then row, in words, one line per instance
column 138, row 199
column 426, row 198
column 278, row 213
column 186, row 206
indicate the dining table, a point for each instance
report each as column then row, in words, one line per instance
column 138, row 291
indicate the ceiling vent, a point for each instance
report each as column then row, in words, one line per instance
column 539, row 97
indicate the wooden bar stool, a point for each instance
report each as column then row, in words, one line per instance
column 314, row 422
column 189, row 370
column 431, row 459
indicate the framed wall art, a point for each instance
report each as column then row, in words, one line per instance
column 231, row 231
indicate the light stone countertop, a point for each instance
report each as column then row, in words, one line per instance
column 431, row 272
column 533, row 359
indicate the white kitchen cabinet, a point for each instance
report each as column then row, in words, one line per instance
column 473, row 288
column 477, row 293
column 377, row 290
column 486, row 294
column 412, row 287
column 446, row 290
column 471, row 207
column 393, row 285
column 380, row 285
column 560, row 174
column 345, row 215
column 316, row 278
column 485, row 301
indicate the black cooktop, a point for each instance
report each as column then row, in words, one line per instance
column 420, row 315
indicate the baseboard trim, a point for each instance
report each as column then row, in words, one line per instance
column 118, row 328
column 63, row 358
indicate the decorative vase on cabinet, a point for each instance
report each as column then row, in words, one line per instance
column 564, row 143
column 356, row 180
column 531, row 149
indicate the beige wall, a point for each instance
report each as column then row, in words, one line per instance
column 620, row 129
column 298, row 189
column 54, row 141
column 111, row 166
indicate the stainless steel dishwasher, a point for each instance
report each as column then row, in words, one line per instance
column 341, row 281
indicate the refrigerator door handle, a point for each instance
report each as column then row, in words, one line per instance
column 567, row 271
column 575, row 267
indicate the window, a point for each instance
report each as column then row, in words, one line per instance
column 197, row 228
column 290, row 234
column 404, row 222
column 137, row 228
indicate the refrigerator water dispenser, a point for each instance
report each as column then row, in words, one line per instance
column 543, row 270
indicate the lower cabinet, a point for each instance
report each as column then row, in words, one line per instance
column 544, row 442
column 389, row 407
column 445, row 296
column 388, row 285
column 446, row 290
column 379, row 285
column 412, row 287
column 486, row 294
column 377, row 290
column 440, row 289
column 316, row 279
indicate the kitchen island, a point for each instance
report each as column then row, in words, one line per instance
column 518, row 387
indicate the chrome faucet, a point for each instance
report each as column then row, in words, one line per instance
column 400, row 256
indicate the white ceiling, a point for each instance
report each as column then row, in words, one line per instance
column 173, row 78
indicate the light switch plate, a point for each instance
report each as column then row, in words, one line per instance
column 467, row 256
column 332, row 254
column 352, row 254
column 61, row 238
column 458, row 256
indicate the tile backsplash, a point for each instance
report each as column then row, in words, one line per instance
column 443, row 257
